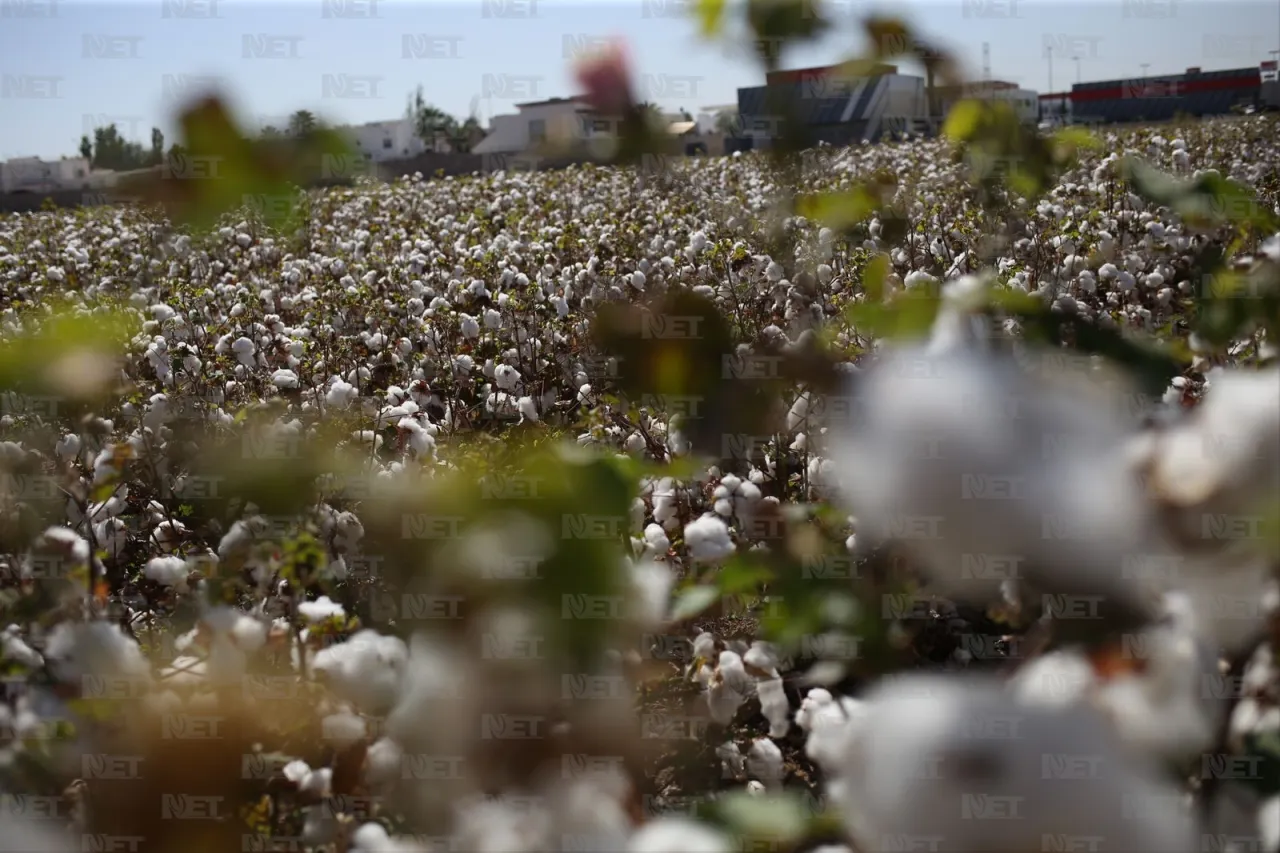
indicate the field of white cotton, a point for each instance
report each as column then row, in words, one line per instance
column 562, row 511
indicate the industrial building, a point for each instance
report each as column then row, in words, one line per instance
column 1195, row 93
column 834, row 109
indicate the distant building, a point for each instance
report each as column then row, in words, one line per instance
column 1194, row 93
column 33, row 175
column 833, row 108
column 539, row 122
column 1024, row 101
column 1055, row 108
column 379, row 141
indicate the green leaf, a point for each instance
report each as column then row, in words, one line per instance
column 1204, row 202
column 693, row 601
column 780, row 818
column 963, row 121
column 1072, row 139
column 710, row 17
column 873, row 277
column 839, row 211
column 741, row 575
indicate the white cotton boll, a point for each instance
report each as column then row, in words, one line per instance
column 75, row 650
column 284, row 379
column 340, row 394
column 799, row 413
column 1057, row 679
column 704, row 646
column 816, row 698
column 764, row 761
column 14, row 648
column 678, row 835
column 774, row 706
column 167, row 571
column 732, row 762
column 68, row 447
column 652, row 582
column 528, row 409
column 894, row 468
column 584, row 395
column 1165, row 709
column 1195, row 462
column 656, row 541
column 756, row 788
column 321, row 610
column 1125, row 281
column 470, row 328
column 367, row 669
column 506, row 377
column 924, row 758
column 637, row 280
column 342, row 730
column 775, row 272
column 296, row 771
column 383, row 762
column 1269, row 823
column 492, row 319
column 708, row 539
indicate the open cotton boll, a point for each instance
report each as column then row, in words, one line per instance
column 652, row 581
column 342, row 730
column 764, row 761
column 1166, row 709
column 284, row 379
column 708, row 539
column 74, row 650
column 321, row 610
column 774, row 705
column 1054, row 680
column 1228, row 447
column 168, row 571
column 679, row 835
column 732, row 762
column 367, row 669
column 942, row 440
column 14, row 648
column 952, row 756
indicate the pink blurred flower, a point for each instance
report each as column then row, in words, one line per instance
column 606, row 79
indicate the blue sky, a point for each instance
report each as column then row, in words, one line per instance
column 70, row 66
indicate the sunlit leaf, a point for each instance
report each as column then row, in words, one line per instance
column 693, row 601
column 963, row 121
column 710, row 16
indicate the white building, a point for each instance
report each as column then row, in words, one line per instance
column 31, row 174
column 385, row 140
column 539, row 122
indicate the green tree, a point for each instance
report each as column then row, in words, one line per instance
column 302, row 123
column 109, row 150
column 157, row 147
column 432, row 124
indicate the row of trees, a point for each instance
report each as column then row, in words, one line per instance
column 107, row 149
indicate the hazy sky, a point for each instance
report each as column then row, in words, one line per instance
column 70, row 66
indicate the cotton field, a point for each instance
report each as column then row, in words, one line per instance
column 367, row 536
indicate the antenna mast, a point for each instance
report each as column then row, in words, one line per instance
column 986, row 62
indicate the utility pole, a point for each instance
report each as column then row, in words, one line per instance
column 986, row 62
column 1049, row 55
column 1077, row 61
column 1145, row 66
